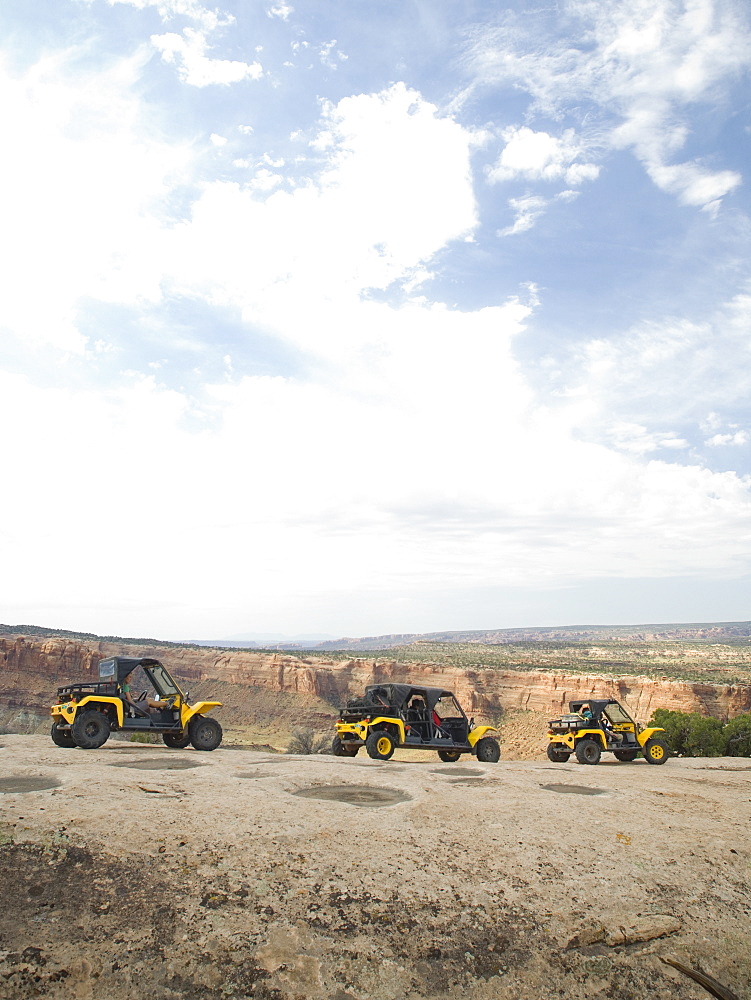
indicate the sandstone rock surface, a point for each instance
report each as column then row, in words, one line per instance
column 137, row 871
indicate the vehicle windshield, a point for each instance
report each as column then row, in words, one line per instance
column 617, row 715
column 163, row 683
column 447, row 707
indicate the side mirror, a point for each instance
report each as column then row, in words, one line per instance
column 472, row 723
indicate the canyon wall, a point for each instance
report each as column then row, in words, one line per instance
column 32, row 669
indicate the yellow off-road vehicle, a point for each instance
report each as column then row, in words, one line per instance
column 86, row 713
column 389, row 716
column 593, row 727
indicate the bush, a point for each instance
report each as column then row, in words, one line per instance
column 705, row 737
column 738, row 736
column 675, row 725
column 145, row 738
column 692, row 735
column 306, row 741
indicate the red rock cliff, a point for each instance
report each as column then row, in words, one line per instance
column 31, row 671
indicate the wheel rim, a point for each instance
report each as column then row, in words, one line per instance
column 91, row 729
column 383, row 745
column 656, row 752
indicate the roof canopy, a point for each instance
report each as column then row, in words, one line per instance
column 397, row 695
column 595, row 704
column 117, row 668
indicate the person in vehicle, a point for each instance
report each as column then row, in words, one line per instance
column 416, row 709
column 417, row 716
column 607, row 728
column 144, row 704
column 586, row 713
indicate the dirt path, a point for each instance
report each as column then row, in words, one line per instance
column 138, row 871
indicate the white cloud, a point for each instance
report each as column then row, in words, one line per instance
column 673, row 386
column 736, row 439
column 429, row 461
column 187, row 49
column 692, row 184
column 644, row 65
column 540, row 156
column 675, row 366
column 86, row 195
column 264, row 180
column 281, row 10
column 529, row 208
column 188, row 52
column 637, row 440
column 527, row 211
column 326, row 53
column 208, row 19
column 396, row 188
column 409, row 449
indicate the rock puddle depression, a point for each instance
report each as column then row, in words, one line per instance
column 369, row 796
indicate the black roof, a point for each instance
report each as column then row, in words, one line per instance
column 118, row 667
column 397, row 695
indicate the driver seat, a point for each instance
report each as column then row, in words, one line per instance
column 134, row 710
column 417, row 717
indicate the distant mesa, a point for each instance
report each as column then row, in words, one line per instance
column 676, row 632
column 265, row 640
column 697, row 631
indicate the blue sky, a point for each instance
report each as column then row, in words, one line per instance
column 374, row 318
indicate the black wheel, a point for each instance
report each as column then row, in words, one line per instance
column 656, row 751
column 176, row 741
column 588, row 752
column 204, row 734
column 487, row 750
column 340, row 749
column 626, row 755
column 380, row 745
column 62, row 737
column 90, row 730
column 449, row 756
column 557, row 753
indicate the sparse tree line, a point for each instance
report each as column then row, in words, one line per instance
column 692, row 735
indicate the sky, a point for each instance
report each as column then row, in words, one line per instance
column 371, row 318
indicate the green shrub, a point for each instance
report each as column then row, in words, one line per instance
column 693, row 735
column 145, row 738
column 705, row 737
column 676, row 726
column 738, row 736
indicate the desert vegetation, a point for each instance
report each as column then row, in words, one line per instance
column 305, row 740
column 714, row 663
column 692, row 735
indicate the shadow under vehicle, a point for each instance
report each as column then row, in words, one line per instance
column 393, row 716
column 593, row 727
column 86, row 713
